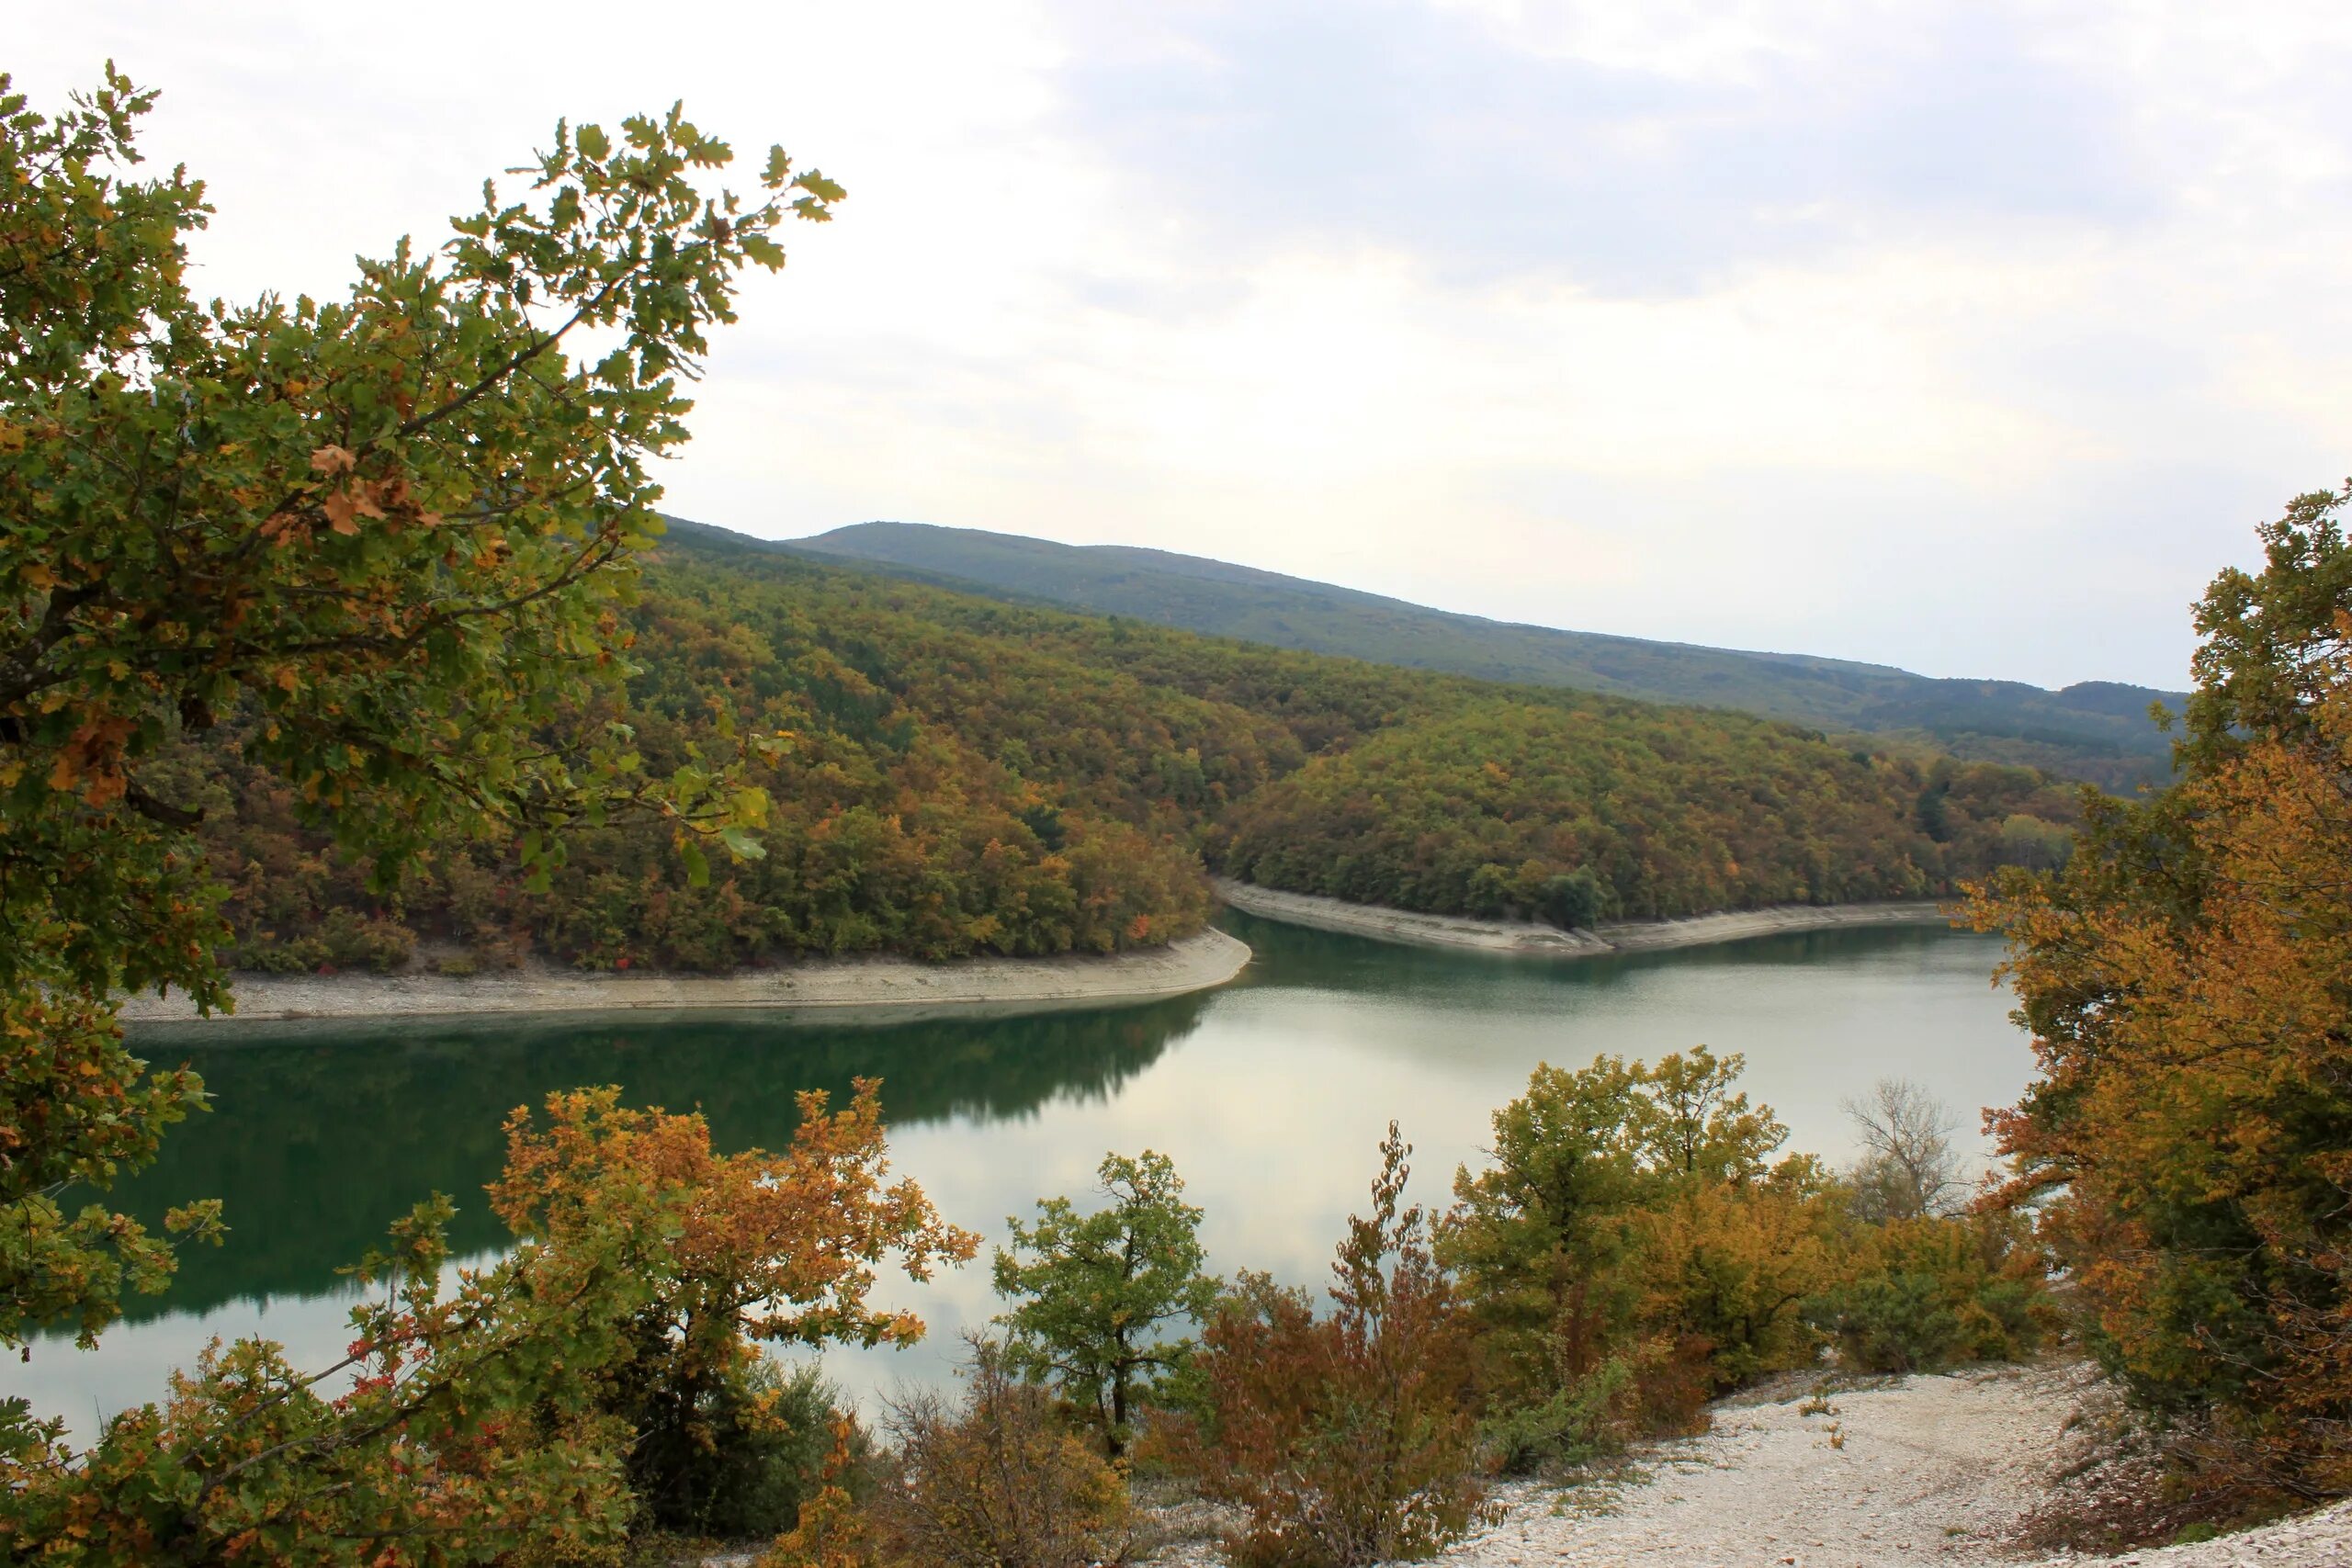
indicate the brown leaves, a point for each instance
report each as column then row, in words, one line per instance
column 780, row 1246
column 91, row 760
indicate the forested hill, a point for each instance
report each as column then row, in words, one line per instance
column 2094, row 730
column 967, row 776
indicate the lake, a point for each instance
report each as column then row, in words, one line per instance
column 1269, row 1095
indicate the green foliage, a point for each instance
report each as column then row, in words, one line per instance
column 1572, row 900
column 1630, row 1252
column 965, row 778
column 75, row 1110
column 528, row 1405
column 1613, row 1229
column 1098, row 1295
column 1346, row 1439
column 771, row 1436
column 375, row 549
column 1929, row 1292
column 1481, row 807
column 2094, row 730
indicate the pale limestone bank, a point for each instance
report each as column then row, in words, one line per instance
column 1913, row 1472
column 1528, row 939
column 832, row 991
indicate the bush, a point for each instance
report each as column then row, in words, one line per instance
column 1343, row 1441
column 264, row 954
column 1583, row 1418
column 371, row 942
column 996, row 1482
column 1938, row 1292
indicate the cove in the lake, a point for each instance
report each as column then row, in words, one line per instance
column 1269, row 1095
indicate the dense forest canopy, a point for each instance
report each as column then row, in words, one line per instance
column 2096, row 731
column 964, row 777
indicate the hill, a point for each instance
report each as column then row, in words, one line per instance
column 966, row 776
column 2097, row 731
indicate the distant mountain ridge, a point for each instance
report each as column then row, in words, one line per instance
column 2094, row 730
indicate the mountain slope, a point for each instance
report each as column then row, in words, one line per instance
column 2094, row 730
column 961, row 776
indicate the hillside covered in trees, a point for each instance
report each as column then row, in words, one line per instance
column 962, row 777
column 2094, row 730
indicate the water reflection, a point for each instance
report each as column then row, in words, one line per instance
column 316, row 1141
column 1269, row 1095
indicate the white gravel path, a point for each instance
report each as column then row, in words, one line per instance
column 1926, row 1469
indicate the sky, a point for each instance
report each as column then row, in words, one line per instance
column 1969, row 337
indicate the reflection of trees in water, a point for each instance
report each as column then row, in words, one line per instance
column 317, row 1143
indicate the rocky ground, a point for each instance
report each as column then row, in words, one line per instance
column 1919, row 1470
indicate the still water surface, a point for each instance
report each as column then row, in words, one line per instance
column 1269, row 1096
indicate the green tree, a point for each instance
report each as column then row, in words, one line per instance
column 1693, row 1122
column 1101, row 1293
column 391, row 535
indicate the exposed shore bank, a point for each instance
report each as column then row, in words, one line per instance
column 1921, row 1472
column 826, row 991
column 1528, row 939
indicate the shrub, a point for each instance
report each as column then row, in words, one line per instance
column 1572, row 900
column 995, row 1483
column 1937, row 1292
column 266, row 954
column 1347, row 1439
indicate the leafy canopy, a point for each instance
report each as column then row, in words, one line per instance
column 1098, row 1293
column 394, row 532
column 2187, row 979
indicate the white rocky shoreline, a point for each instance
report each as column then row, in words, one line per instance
column 1527, row 939
column 827, row 991
column 1922, row 1472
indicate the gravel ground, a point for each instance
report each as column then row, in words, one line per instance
column 1924, row 1470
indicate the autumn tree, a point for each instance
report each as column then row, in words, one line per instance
column 528, row 1405
column 2185, row 977
column 1693, row 1120
column 1099, row 1296
column 1628, row 1252
column 390, row 534
column 763, row 1250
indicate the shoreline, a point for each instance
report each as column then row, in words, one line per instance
column 1527, row 939
column 851, row 990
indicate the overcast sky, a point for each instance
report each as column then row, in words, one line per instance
column 1968, row 337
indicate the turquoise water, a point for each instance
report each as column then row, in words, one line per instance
column 1269, row 1094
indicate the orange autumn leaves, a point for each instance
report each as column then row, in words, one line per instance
column 774, row 1246
column 2188, row 979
